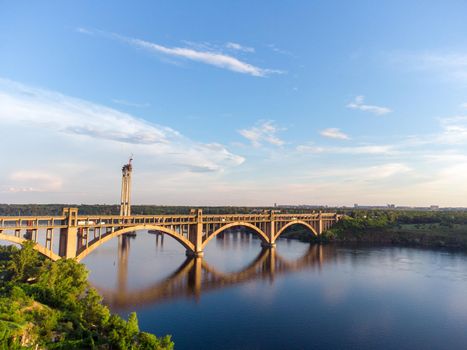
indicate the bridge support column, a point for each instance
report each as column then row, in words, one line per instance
column 69, row 235
column 320, row 223
column 195, row 235
column 270, row 232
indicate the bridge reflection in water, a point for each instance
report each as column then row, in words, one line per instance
column 196, row 276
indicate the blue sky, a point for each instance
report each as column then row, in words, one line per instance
column 234, row 103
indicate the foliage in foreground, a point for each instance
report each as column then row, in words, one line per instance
column 50, row 305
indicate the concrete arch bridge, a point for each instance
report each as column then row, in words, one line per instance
column 79, row 235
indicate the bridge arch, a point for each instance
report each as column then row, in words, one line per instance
column 258, row 231
column 296, row 222
column 107, row 237
column 41, row 249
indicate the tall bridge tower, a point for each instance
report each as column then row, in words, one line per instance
column 125, row 204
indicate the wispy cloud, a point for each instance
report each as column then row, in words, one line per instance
column 334, row 133
column 84, row 31
column 365, row 149
column 263, row 132
column 358, row 103
column 206, row 55
column 274, row 48
column 447, row 64
column 454, row 131
column 28, row 107
column 463, row 105
column 130, row 104
column 368, row 173
column 387, row 170
column 34, row 181
column 238, row 47
column 220, row 60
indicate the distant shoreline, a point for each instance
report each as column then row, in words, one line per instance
column 388, row 237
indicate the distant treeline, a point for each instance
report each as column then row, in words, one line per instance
column 444, row 228
column 386, row 216
column 104, row 209
column 395, row 217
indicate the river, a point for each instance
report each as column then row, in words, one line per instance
column 294, row 296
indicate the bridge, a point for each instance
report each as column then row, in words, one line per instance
column 78, row 235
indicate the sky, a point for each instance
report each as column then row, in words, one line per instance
column 234, row 102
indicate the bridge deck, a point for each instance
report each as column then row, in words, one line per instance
column 79, row 235
column 90, row 221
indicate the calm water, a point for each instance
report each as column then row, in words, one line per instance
column 295, row 296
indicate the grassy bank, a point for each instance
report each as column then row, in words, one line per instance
column 50, row 305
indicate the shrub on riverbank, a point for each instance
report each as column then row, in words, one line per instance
column 50, row 305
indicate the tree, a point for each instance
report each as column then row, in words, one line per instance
column 62, row 283
column 24, row 263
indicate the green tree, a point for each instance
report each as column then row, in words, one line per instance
column 62, row 283
column 24, row 263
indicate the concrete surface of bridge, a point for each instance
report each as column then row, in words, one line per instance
column 79, row 235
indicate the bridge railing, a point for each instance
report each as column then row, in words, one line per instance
column 31, row 222
column 90, row 221
column 222, row 218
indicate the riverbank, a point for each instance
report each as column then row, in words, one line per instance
column 432, row 235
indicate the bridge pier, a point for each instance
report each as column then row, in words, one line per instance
column 320, row 223
column 271, row 231
column 69, row 235
column 195, row 235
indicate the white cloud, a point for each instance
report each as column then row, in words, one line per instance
column 263, row 132
column 447, row 64
column 463, row 105
column 358, row 103
column 443, row 60
column 44, row 111
column 454, row 130
column 365, row 149
column 130, row 104
column 220, row 60
column 452, row 157
column 274, row 48
column 334, row 133
column 238, row 47
column 386, row 170
column 204, row 54
column 84, row 31
column 34, row 181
